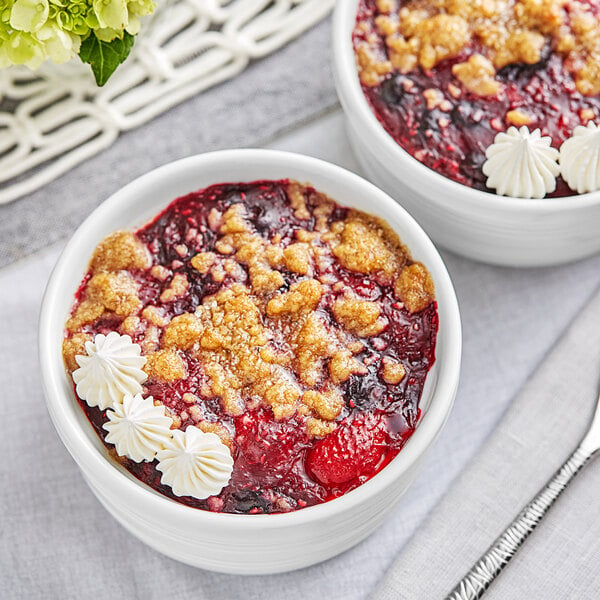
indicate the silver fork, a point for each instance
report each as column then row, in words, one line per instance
column 475, row 583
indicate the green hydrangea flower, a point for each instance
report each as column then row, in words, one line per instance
column 32, row 31
column 29, row 15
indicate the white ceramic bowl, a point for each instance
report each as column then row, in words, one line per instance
column 478, row 225
column 245, row 544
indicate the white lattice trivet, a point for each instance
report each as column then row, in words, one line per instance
column 55, row 118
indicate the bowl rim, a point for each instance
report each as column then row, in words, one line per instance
column 391, row 153
column 91, row 460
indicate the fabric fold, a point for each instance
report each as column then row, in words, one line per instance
column 539, row 431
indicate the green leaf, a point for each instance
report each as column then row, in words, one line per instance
column 105, row 57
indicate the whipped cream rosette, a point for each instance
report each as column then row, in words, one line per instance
column 522, row 164
column 195, row 463
column 138, row 428
column 580, row 159
column 111, row 369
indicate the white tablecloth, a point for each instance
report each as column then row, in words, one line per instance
column 56, row 541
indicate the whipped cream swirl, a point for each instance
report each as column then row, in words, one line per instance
column 137, row 427
column 522, row 164
column 580, row 159
column 195, row 463
column 111, row 369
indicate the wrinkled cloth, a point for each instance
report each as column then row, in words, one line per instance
column 542, row 427
column 57, row 541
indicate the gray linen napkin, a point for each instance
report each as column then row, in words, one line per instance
column 561, row 560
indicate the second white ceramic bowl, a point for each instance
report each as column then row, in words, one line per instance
column 478, row 225
column 245, row 544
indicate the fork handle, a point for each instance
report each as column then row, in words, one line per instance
column 490, row 565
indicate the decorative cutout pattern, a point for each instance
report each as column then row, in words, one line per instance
column 54, row 118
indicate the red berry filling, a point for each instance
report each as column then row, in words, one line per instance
column 315, row 365
column 443, row 122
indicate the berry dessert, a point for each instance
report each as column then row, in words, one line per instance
column 256, row 348
column 444, row 77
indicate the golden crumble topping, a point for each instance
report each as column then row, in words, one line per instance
column 312, row 343
column 477, row 75
column 73, row 346
column 366, row 245
column 422, row 33
column 152, row 314
column 165, row 365
column 326, row 405
column 343, row 365
column 517, row 118
column 182, row 332
column 177, row 288
column 85, row 313
column 297, row 201
column 203, row 261
column 360, row 317
column 115, row 292
column 393, row 372
column 119, row 251
column 414, row 287
column 281, row 330
column 318, row 427
column 297, row 258
column 304, row 296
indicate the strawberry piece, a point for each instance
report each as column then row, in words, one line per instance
column 356, row 449
column 268, row 447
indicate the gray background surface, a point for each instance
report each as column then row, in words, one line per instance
column 270, row 96
column 56, row 540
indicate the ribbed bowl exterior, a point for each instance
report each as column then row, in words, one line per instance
column 243, row 544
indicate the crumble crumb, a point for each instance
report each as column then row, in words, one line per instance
column 435, row 99
column 182, row 332
column 152, row 314
column 414, row 287
column 304, row 296
column 371, row 68
column 343, row 365
column 313, row 343
column 365, row 245
column 327, row 404
column 165, row 365
column 297, row 258
column 131, row 325
column 151, row 341
column 72, row 347
column 177, row 288
column 295, row 193
column 264, row 279
column 116, row 292
column 393, row 372
column 203, row 261
column 121, row 250
column 190, row 398
column 87, row 312
column 234, row 220
column 160, row 272
column 477, row 74
column 360, row 317
column 518, row 118
column 319, row 428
